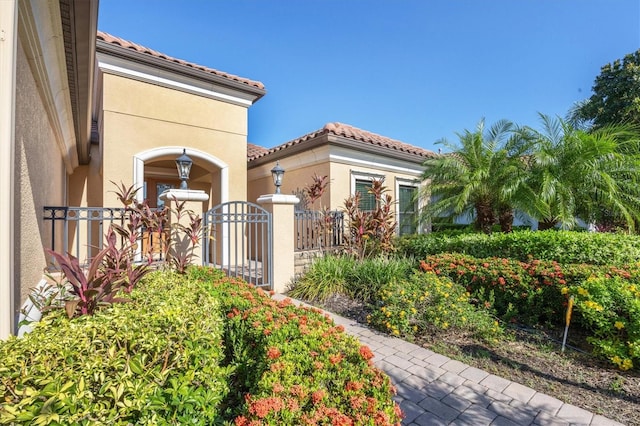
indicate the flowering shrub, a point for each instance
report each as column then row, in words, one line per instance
column 426, row 303
column 294, row 366
column 516, row 291
column 610, row 309
column 195, row 349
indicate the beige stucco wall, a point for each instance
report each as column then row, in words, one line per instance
column 299, row 171
column 41, row 179
column 139, row 116
column 342, row 185
column 300, row 168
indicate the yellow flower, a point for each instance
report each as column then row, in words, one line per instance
column 564, row 290
column 619, row 325
column 626, row 364
column 616, row 360
column 582, row 291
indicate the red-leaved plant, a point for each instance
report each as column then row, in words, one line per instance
column 95, row 286
column 370, row 232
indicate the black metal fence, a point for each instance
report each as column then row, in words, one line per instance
column 81, row 231
column 318, row 229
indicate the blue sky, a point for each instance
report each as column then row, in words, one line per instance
column 413, row 70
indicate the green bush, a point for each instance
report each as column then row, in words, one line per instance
column 154, row 360
column 609, row 307
column 425, row 302
column 565, row 247
column 194, row 349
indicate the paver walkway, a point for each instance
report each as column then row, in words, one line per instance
column 436, row 390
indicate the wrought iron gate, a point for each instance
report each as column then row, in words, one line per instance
column 238, row 240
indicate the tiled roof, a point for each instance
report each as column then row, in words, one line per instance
column 255, row 150
column 350, row 132
column 108, row 38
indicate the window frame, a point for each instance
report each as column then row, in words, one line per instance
column 415, row 185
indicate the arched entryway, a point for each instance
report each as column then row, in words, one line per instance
column 157, row 167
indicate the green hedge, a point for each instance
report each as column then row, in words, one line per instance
column 154, row 360
column 564, row 247
column 195, row 349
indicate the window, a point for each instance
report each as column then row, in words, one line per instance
column 407, row 209
column 367, row 200
column 160, row 188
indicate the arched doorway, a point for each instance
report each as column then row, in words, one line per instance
column 155, row 168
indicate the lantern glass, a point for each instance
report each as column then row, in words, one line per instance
column 278, row 174
column 184, row 163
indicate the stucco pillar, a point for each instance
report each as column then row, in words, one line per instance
column 8, row 49
column 281, row 207
column 192, row 201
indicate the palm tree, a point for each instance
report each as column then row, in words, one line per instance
column 481, row 174
column 575, row 173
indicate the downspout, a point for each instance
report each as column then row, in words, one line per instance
column 8, row 49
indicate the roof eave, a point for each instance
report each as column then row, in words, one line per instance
column 375, row 149
column 341, row 141
column 255, row 93
column 80, row 23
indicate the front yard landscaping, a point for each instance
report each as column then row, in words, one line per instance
column 503, row 307
column 192, row 349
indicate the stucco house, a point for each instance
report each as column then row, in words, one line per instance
column 81, row 108
column 350, row 158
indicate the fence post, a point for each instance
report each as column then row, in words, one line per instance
column 193, row 200
column 281, row 207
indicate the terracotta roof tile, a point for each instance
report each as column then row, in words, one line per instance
column 108, row 38
column 350, row 132
column 255, row 150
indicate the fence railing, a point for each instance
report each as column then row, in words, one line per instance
column 318, row 229
column 81, row 231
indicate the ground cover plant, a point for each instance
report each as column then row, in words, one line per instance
column 196, row 348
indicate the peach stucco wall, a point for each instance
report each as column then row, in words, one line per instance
column 41, row 179
column 139, row 116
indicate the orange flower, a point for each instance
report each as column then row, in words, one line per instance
column 365, row 352
column 318, row 395
column 341, row 420
column 335, row 359
column 381, row 418
column 353, row 386
column 262, row 407
column 273, row 352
